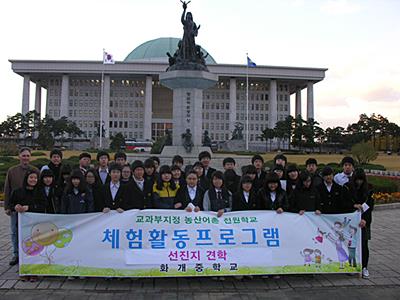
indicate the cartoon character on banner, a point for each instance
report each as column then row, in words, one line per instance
column 48, row 237
column 306, row 253
column 318, row 256
column 352, row 241
column 338, row 238
column 320, row 236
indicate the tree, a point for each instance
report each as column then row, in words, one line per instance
column 334, row 136
column 364, row 153
column 117, row 142
column 268, row 134
column 280, row 132
column 298, row 132
column 310, row 131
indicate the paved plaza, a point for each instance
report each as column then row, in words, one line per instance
column 383, row 283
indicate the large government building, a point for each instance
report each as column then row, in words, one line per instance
column 135, row 104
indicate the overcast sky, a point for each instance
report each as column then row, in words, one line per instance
column 357, row 40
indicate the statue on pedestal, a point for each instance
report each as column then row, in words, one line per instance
column 237, row 133
column 206, row 139
column 187, row 141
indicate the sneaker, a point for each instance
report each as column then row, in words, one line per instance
column 365, row 273
column 14, row 261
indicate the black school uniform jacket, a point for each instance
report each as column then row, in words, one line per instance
column 264, row 201
column 239, row 201
column 120, row 198
column 330, row 202
column 135, row 197
column 210, row 171
column 259, row 180
column 51, row 201
column 23, row 197
column 306, row 199
column 182, row 196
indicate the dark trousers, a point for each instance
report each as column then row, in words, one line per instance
column 365, row 253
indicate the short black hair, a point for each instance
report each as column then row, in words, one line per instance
column 119, row 155
column 204, row 154
column 177, row 159
column 102, row 153
column 257, row 157
column 280, row 156
column 56, row 152
column 311, row 161
column 84, row 154
column 114, row 166
column 149, row 163
column 228, row 160
column 156, row 159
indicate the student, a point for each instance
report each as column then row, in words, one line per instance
column 205, row 159
column 251, row 171
column 77, row 198
column 126, row 174
column 203, row 182
column 363, row 201
column 84, row 162
column 190, row 196
column 331, row 194
column 348, row 167
column 139, row 190
column 103, row 158
column 150, row 171
column 177, row 160
column 120, row 158
column 25, row 199
column 217, row 198
column 14, row 180
column 177, row 175
column 156, row 163
column 46, row 192
column 258, row 162
column 229, row 163
column 280, row 159
column 115, row 194
column 271, row 196
column 164, row 190
column 312, row 169
column 280, row 171
column 232, row 180
column 305, row 196
column 65, row 172
column 245, row 198
column 292, row 179
column 55, row 164
column 95, row 187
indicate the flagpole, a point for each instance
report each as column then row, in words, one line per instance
column 101, row 106
column 247, row 102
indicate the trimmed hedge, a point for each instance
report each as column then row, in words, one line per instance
column 384, row 185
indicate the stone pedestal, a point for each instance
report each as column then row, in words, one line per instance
column 171, row 151
column 187, row 86
column 234, row 145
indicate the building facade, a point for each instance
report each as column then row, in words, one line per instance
column 135, row 104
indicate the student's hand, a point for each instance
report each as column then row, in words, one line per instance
column 196, row 209
column 25, row 208
column 279, row 210
column 188, row 209
column 120, row 210
column 301, row 212
column 8, row 212
column 18, row 208
column 106, row 210
column 358, row 207
column 220, row 213
column 318, row 212
column 178, row 205
column 362, row 223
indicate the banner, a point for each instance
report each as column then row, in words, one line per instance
column 162, row 243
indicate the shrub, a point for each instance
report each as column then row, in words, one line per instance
column 8, row 149
column 383, row 185
column 38, row 153
column 364, row 153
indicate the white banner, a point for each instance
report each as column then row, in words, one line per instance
column 157, row 243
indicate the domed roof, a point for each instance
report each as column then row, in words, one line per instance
column 155, row 50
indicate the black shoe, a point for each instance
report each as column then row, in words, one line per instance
column 14, row 261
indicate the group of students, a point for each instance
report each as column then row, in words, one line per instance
column 120, row 186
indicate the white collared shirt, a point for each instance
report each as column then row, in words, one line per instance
column 328, row 187
column 246, row 196
column 103, row 173
column 192, row 192
column 342, row 178
column 273, row 196
column 140, row 183
column 114, row 189
column 47, row 190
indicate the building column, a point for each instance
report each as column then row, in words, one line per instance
column 25, row 94
column 148, row 108
column 310, row 100
column 64, row 96
column 298, row 102
column 38, row 98
column 232, row 105
column 106, row 106
column 273, row 104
